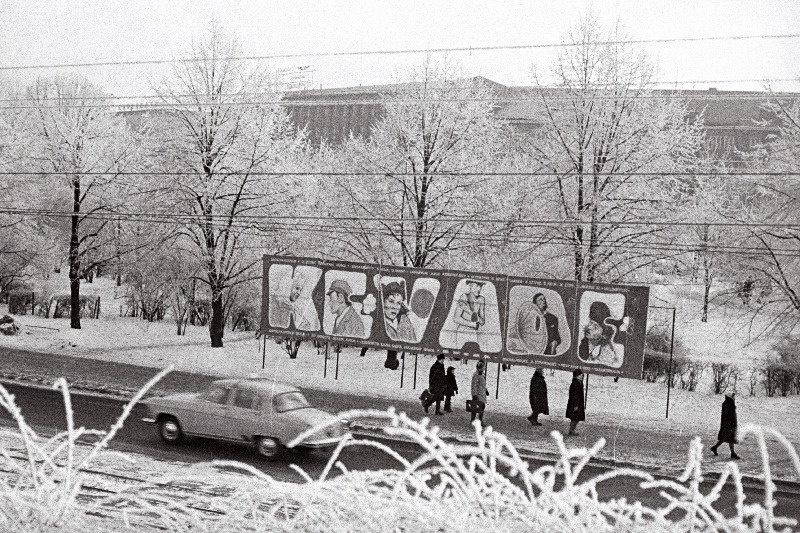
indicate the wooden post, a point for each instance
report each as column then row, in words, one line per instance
column 264, row 354
column 586, row 392
column 338, row 351
column 402, row 368
column 669, row 370
column 497, row 385
column 415, row 371
column 325, row 368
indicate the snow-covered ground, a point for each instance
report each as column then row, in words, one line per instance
column 628, row 403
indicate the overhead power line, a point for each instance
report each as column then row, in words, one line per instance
column 655, row 86
column 468, row 49
column 242, row 219
column 300, row 102
column 455, row 174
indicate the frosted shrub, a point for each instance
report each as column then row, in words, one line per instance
column 484, row 486
column 44, row 487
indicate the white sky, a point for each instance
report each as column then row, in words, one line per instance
column 77, row 31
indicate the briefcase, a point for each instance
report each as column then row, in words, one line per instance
column 475, row 406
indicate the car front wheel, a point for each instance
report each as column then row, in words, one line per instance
column 268, row 447
column 170, row 430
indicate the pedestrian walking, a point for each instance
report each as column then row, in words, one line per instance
column 479, row 392
column 728, row 425
column 575, row 405
column 450, row 388
column 537, row 395
column 436, row 385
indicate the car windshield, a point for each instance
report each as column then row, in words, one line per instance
column 289, row 401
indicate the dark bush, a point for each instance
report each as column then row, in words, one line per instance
column 21, row 302
column 656, row 367
column 752, row 382
column 724, row 375
column 89, row 306
column 201, row 311
column 781, row 374
column 691, row 374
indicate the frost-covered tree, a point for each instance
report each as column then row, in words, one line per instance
column 774, row 230
column 422, row 165
column 223, row 133
column 605, row 137
column 79, row 146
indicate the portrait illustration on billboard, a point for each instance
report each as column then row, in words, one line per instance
column 348, row 310
column 290, row 298
column 473, row 321
column 406, row 319
column 537, row 323
column 603, row 327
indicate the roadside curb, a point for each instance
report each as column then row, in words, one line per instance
column 780, row 484
column 123, row 393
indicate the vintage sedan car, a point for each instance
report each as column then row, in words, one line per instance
column 267, row 414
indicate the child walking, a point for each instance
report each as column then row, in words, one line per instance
column 450, row 388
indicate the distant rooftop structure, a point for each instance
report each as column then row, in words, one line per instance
column 732, row 118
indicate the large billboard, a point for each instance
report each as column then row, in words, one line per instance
column 549, row 323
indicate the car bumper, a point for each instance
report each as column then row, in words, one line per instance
column 318, row 444
column 149, row 420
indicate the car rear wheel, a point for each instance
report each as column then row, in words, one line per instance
column 169, row 429
column 268, row 447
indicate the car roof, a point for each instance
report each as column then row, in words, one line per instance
column 259, row 384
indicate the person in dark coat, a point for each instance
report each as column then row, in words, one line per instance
column 436, row 384
column 727, row 425
column 538, row 397
column 575, row 405
column 450, row 388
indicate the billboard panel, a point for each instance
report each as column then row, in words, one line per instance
column 534, row 322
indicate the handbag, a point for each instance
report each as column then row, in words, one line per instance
column 425, row 396
column 475, row 406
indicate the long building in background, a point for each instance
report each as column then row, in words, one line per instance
column 735, row 121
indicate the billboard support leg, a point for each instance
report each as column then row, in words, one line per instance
column 669, row 371
column 325, row 368
column 586, row 392
column 415, row 371
column 497, row 385
column 402, row 368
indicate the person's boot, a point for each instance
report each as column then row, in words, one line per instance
column 734, row 457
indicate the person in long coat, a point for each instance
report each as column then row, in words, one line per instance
column 538, row 397
column 479, row 391
column 437, row 381
column 575, row 405
column 450, row 389
column 728, row 425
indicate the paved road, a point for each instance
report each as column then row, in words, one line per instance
column 44, row 410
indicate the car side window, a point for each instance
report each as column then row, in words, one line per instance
column 216, row 395
column 244, row 398
column 262, row 404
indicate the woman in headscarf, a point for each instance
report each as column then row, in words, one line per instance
column 728, row 425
